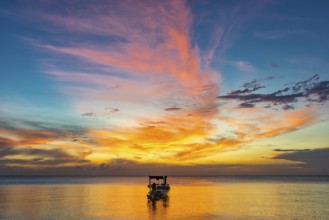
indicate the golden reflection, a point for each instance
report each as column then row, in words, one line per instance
column 190, row 198
column 158, row 208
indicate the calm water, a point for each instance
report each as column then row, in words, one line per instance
column 190, row 198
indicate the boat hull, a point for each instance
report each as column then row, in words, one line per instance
column 158, row 194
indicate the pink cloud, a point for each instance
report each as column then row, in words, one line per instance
column 157, row 48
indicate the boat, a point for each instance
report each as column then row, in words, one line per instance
column 159, row 188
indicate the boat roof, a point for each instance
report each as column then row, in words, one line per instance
column 157, row 177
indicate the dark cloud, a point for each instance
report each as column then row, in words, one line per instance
column 288, row 107
column 112, row 109
column 320, row 91
column 31, row 137
column 33, row 132
column 121, row 167
column 42, row 157
column 172, row 109
column 253, row 85
column 4, row 124
column 274, row 65
column 246, row 105
column 247, row 88
column 5, row 142
column 42, row 162
column 60, row 128
column 316, row 159
column 88, row 114
column 310, row 91
column 290, row 150
column 53, row 153
column 258, row 98
column 6, row 150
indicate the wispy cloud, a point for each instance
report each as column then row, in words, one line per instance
column 155, row 50
column 244, row 66
column 272, row 35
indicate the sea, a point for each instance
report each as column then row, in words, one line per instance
column 220, row 197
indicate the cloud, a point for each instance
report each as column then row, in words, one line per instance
column 309, row 91
column 22, row 132
column 6, row 142
column 121, row 167
column 279, row 34
column 36, row 124
column 89, row 114
column 231, row 20
column 244, row 66
column 33, row 144
column 155, row 43
column 155, row 58
column 29, row 137
column 314, row 160
column 172, row 109
column 28, row 165
column 196, row 151
column 248, row 88
column 288, row 107
column 290, row 150
column 26, row 143
column 55, row 153
column 112, row 109
column 246, row 105
column 37, row 157
column 249, row 125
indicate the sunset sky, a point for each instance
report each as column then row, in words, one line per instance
column 164, row 87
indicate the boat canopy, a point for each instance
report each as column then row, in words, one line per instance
column 159, row 178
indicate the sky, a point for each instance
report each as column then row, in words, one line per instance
column 196, row 87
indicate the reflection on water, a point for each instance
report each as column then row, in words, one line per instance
column 158, row 208
column 190, row 198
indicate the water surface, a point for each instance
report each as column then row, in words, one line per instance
column 264, row 197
